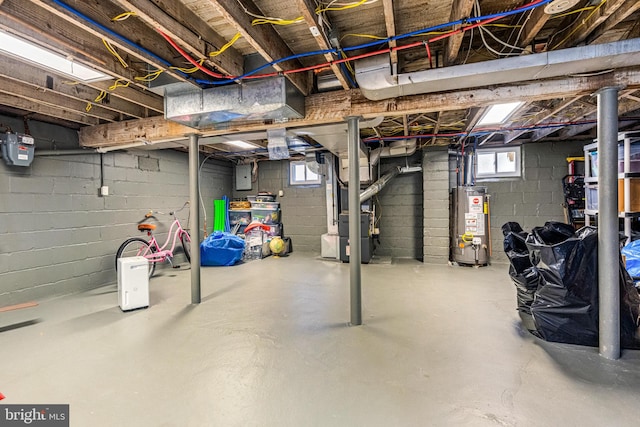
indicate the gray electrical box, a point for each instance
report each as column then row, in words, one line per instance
column 17, row 149
column 243, row 177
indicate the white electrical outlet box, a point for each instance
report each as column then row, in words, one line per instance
column 104, row 190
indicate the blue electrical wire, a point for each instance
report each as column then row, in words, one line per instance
column 333, row 51
column 115, row 35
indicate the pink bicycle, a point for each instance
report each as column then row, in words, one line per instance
column 151, row 249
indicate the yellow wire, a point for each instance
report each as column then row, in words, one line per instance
column 88, row 107
column 70, row 83
column 114, row 53
column 502, row 25
column 102, row 95
column 562, row 15
column 581, row 23
column 226, row 46
column 367, row 36
column 319, row 10
column 188, row 70
column 261, row 21
column 119, row 83
column 150, row 77
column 123, row 16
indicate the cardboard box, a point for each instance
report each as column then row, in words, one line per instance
column 635, row 195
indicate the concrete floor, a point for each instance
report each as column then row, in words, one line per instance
column 269, row 346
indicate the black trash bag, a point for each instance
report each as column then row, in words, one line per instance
column 523, row 274
column 565, row 306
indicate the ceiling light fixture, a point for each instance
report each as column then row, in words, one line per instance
column 499, row 113
column 240, row 144
column 39, row 56
column 559, row 6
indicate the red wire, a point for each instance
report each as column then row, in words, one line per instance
column 188, row 57
column 338, row 61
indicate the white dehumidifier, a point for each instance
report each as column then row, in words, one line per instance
column 133, row 283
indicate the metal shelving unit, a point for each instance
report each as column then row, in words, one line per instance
column 630, row 179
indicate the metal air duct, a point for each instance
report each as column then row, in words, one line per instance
column 377, row 82
column 265, row 99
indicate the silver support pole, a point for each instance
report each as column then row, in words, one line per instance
column 608, row 247
column 355, row 251
column 194, row 206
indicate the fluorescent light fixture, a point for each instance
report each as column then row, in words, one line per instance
column 240, row 144
column 37, row 55
column 499, row 113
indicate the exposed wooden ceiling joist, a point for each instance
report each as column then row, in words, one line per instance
column 28, row 23
column 620, row 15
column 52, row 99
column 21, row 73
column 541, row 118
column 264, row 40
column 37, row 107
column 307, row 8
column 532, row 26
column 333, row 107
column 623, row 108
column 143, row 98
column 460, row 9
column 199, row 42
column 390, row 23
column 102, row 13
column 581, row 28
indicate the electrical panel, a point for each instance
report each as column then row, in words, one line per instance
column 17, row 149
column 243, row 177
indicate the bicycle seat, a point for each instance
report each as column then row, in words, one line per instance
column 146, row 227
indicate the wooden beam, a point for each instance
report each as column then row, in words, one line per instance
column 390, row 23
column 532, row 26
column 581, row 29
column 263, row 38
column 199, row 41
column 49, row 82
column 102, row 12
column 55, row 100
column 143, row 98
column 333, row 107
column 634, row 98
column 87, row 50
column 56, row 112
column 623, row 108
column 541, row 118
column 436, row 128
column 27, row 23
column 460, row 9
column 307, row 8
column 620, row 15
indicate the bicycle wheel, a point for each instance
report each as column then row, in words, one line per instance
column 185, row 239
column 136, row 246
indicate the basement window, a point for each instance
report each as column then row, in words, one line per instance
column 498, row 162
column 301, row 174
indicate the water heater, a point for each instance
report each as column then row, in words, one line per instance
column 470, row 226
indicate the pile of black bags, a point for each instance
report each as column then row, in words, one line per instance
column 555, row 270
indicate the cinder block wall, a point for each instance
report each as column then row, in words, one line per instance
column 58, row 236
column 304, row 212
column 435, row 164
column 535, row 198
column 401, row 213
